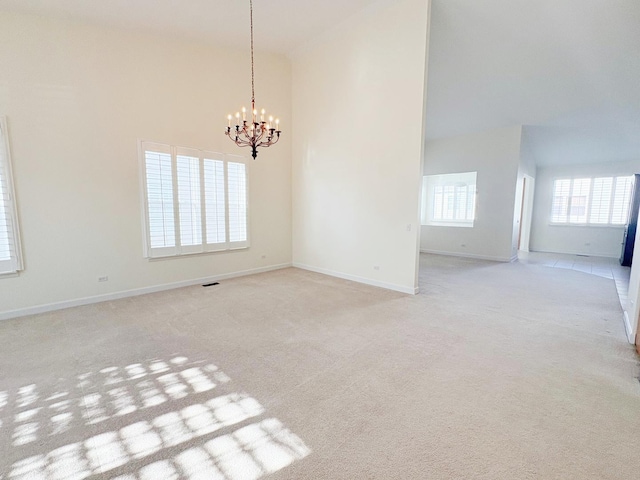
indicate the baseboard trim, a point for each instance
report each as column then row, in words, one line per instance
column 470, row 255
column 49, row 307
column 628, row 329
column 355, row 278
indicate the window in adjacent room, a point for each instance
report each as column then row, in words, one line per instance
column 449, row 199
column 10, row 252
column 195, row 201
column 595, row 201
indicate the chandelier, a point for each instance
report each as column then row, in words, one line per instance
column 257, row 132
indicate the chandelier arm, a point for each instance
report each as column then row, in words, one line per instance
column 273, row 141
column 259, row 137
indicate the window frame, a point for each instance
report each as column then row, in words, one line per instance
column 153, row 253
column 16, row 263
column 589, row 204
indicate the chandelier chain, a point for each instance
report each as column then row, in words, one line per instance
column 253, row 93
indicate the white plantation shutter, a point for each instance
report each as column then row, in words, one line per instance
column 579, row 200
column 237, row 202
column 594, row 201
column 160, row 211
column 448, row 212
column 621, row 200
column 195, row 201
column 214, row 201
column 189, row 200
column 438, row 202
column 471, row 202
column 461, row 202
column 10, row 253
column 601, row 200
column 560, row 206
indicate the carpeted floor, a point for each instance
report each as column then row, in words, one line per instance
column 495, row 371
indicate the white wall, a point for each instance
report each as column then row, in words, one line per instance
column 358, row 96
column 526, row 166
column 581, row 240
column 495, row 155
column 77, row 99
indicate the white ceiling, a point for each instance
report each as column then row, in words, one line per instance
column 568, row 70
column 280, row 25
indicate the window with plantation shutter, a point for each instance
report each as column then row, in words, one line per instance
column 449, row 199
column 195, row 201
column 591, row 201
column 10, row 252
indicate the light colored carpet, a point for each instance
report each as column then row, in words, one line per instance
column 495, row 371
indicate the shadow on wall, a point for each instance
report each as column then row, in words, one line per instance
column 146, row 421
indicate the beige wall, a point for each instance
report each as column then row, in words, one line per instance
column 77, row 99
column 358, row 96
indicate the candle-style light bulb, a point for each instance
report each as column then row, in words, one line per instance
column 270, row 121
column 229, row 119
column 237, row 118
column 262, row 115
column 244, row 114
column 277, row 124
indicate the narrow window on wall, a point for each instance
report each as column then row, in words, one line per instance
column 10, row 251
column 449, row 199
column 591, row 201
column 195, row 201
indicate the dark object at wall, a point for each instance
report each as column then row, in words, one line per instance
column 629, row 238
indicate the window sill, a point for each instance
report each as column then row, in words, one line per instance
column 9, row 275
column 446, row 224
column 591, row 225
column 196, row 254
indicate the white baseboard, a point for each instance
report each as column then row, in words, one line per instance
column 628, row 329
column 354, row 278
column 21, row 312
column 470, row 255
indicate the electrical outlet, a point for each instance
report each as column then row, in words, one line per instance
column 376, row 267
column 263, row 257
column 408, row 227
column 463, row 245
column 103, row 279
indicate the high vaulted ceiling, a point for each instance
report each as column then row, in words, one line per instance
column 569, row 70
column 280, row 25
